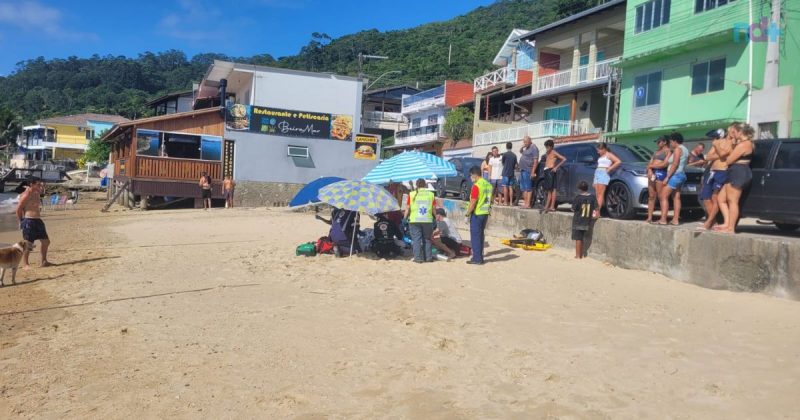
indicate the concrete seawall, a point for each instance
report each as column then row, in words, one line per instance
column 741, row 263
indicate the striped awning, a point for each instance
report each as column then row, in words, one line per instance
column 410, row 166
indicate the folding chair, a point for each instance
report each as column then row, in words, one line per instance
column 62, row 202
column 53, row 201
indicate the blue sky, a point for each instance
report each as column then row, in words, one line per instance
column 32, row 28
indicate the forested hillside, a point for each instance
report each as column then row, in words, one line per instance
column 122, row 85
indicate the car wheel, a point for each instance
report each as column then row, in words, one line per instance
column 619, row 201
column 441, row 192
column 787, row 227
column 463, row 191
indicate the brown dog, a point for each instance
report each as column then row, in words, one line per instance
column 10, row 257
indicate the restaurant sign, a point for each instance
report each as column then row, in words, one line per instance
column 289, row 123
column 366, row 146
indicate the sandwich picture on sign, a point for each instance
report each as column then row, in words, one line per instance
column 366, row 147
column 238, row 117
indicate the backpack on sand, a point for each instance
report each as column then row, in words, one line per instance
column 324, row 245
column 308, row 250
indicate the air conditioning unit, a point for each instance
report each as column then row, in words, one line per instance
column 298, row 152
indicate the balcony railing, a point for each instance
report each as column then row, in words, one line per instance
column 542, row 129
column 502, row 76
column 385, row 116
column 427, row 129
column 429, row 98
column 602, row 70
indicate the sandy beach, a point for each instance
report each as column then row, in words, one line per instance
column 194, row 314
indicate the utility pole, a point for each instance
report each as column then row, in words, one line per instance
column 772, row 69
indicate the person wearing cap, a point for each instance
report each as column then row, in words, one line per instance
column 717, row 175
column 446, row 237
column 656, row 175
column 676, row 177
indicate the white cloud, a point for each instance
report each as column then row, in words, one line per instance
column 30, row 16
column 193, row 22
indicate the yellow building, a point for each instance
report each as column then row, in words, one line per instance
column 73, row 132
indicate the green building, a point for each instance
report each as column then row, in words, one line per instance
column 694, row 65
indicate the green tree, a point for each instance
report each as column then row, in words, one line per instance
column 97, row 150
column 458, row 124
column 10, row 126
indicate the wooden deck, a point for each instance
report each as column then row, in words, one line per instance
column 175, row 169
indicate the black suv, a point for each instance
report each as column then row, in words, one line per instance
column 774, row 194
column 461, row 183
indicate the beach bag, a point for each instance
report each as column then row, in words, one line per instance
column 464, row 250
column 308, row 250
column 324, row 245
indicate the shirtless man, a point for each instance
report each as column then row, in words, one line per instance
column 29, row 214
column 227, row 190
column 553, row 161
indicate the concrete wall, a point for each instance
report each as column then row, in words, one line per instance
column 740, row 263
column 264, row 194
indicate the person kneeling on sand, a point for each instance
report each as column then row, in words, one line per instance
column 386, row 235
column 446, row 237
column 584, row 206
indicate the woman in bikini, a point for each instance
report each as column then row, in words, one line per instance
column 718, row 174
column 656, row 174
column 739, row 177
column 607, row 162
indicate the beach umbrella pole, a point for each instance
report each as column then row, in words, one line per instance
column 355, row 229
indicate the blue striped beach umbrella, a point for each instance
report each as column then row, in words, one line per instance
column 410, row 166
column 358, row 196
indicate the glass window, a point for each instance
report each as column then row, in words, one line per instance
column 433, row 119
column 648, row 16
column 716, row 75
column 651, row 15
column 761, row 155
column 147, row 143
column 416, row 122
column 708, row 76
column 211, row 148
column 788, row 156
column 639, row 19
column 768, row 130
column 706, row 5
column 654, row 88
column 699, row 78
column 647, row 89
column 587, row 150
column 570, row 153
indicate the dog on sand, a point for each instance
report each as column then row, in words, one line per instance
column 10, row 257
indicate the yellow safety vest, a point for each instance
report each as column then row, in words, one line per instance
column 421, row 206
column 484, row 205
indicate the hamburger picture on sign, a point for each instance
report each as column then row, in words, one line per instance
column 366, row 146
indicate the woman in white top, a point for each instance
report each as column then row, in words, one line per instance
column 606, row 164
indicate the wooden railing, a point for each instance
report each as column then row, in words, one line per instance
column 176, row 169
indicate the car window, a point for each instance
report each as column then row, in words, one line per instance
column 761, row 155
column 627, row 154
column 469, row 163
column 570, row 153
column 457, row 164
column 587, row 150
column 788, row 156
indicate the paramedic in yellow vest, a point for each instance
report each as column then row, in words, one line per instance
column 480, row 205
column 419, row 212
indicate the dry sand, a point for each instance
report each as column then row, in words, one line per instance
column 190, row 314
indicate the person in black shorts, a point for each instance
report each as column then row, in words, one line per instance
column 583, row 206
column 205, row 190
column 509, row 161
column 553, row 161
column 30, row 219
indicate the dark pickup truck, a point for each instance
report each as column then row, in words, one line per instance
column 774, row 194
